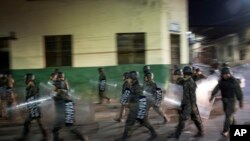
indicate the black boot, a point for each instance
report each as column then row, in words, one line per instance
column 199, row 134
column 174, row 135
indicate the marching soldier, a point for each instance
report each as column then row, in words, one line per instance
column 152, row 92
column 230, row 91
column 102, row 86
column 34, row 112
column 188, row 105
column 123, row 101
column 64, row 107
column 138, row 108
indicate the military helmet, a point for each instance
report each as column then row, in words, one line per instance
column 60, row 75
column 100, row 69
column 146, row 68
column 178, row 72
column 225, row 70
column 187, row 70
column 29, row 77
column 126, row 75
column 134, row 75
column 149, row 75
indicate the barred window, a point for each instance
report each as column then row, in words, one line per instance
column 58, row 50
column 131, row 48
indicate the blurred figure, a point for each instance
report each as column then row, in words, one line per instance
column 146, row 69
column 198, row 75
column 64, row 107
column 10, row 98
column 123, row 100
column 188, row 105
column 3, row 85
column 150, row 88
column 34, row 111
column 178, row 77
column 230, row 91
column 138, row 108
column 102, row 86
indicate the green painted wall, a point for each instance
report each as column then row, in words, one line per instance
column 80, row 78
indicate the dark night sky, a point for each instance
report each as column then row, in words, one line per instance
column 220, row 16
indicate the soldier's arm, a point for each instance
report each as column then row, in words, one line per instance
column 66, row 84
column 214, row 92
column 239, row 93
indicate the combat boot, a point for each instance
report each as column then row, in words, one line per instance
column 174, row 135
column 199, row 134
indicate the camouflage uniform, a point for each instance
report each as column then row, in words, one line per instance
column 230, row 91
column 102, row 88
column 34, row 112
column 189, row 108
column 150, row 89
column 136, row 93
column 62, row 100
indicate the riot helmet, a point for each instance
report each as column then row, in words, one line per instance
column 146, row 69
column 134, row 75
column 225, row 70
column 126, row 75
column 60, row 75
column 100, row 70
column 29, row 77
column 178, row 72
column 149, row 76
column 187, row 70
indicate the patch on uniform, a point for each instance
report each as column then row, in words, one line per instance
column 69, row 113
column 142, row 110
column 34, row 110
column 158, row 97
column 125, row 96
column 102, row 85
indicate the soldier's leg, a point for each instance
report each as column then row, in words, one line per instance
column 229, row 118
column 128, row 128
column 195, row 116
column 42, row 128
column 105, row 97
column 56, row 128
column 159, row 111
column 122, row 110
column 3, row 108
column 26, row 128
column 229, row 109
column 146, row 124
column 181, row 125
column 100, row 96
column 9, row 111
column 78, row 134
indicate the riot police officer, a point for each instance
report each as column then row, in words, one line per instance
column 178, row 77
column 34, row 112
column 125, row 88
column 138, row 108
column 150, row 89
column 230, row 91
column 64, row 107
column 188, row 105
column 102, row 86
